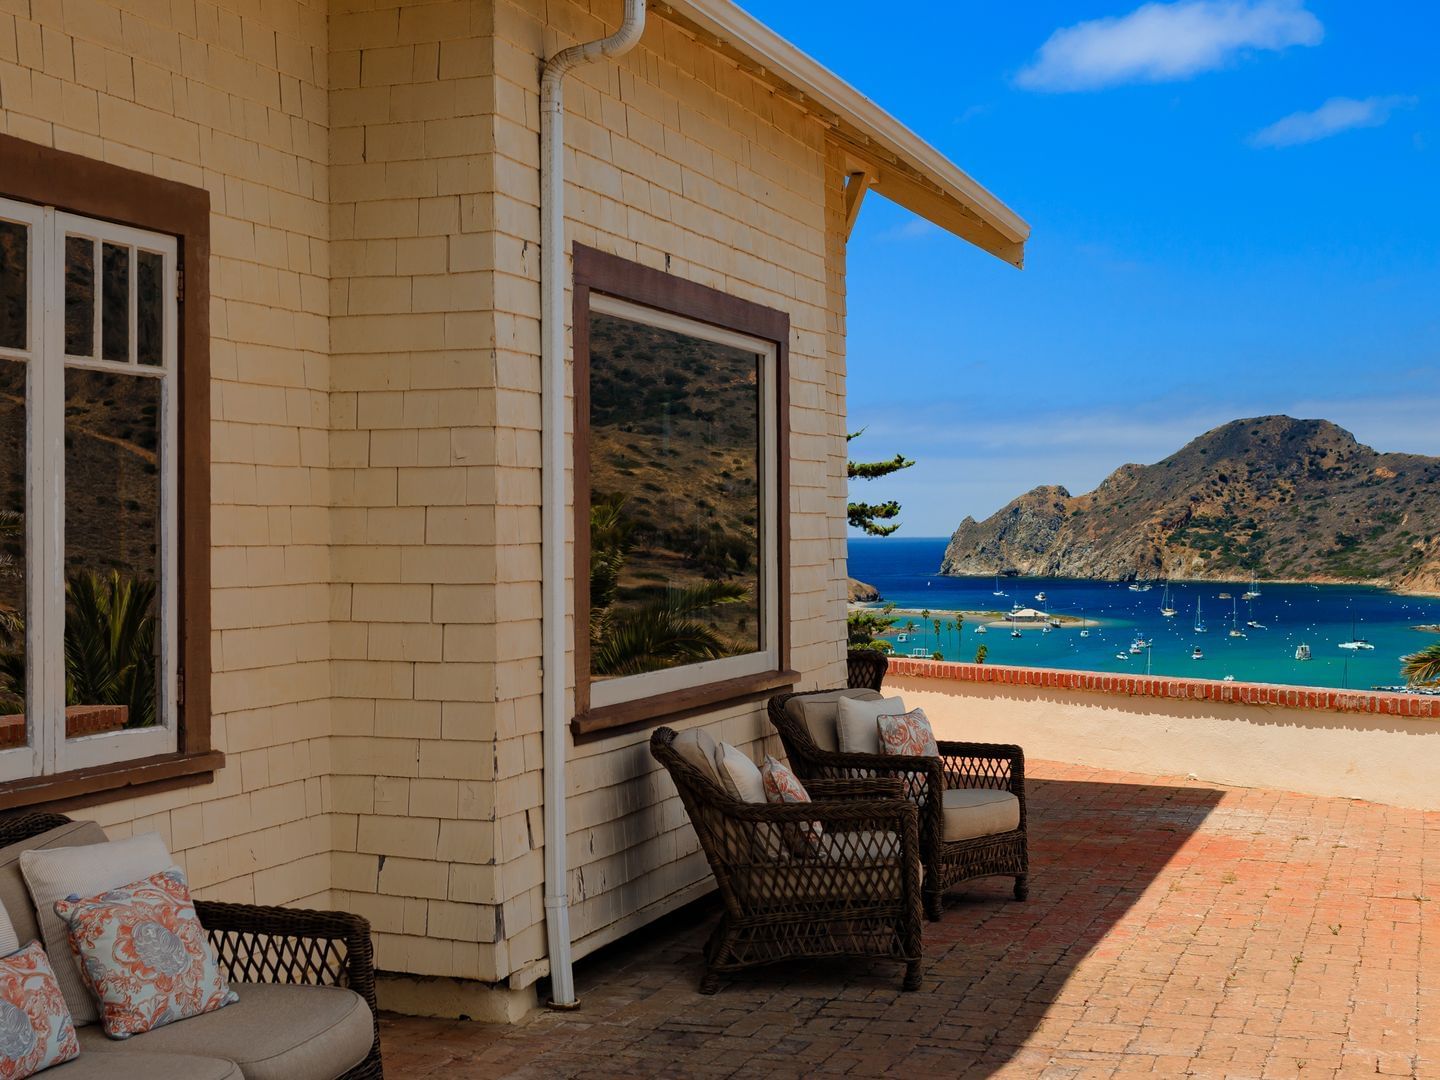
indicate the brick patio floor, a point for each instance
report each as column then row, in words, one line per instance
column 1174, row 928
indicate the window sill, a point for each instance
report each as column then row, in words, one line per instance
column 107, row 783
column 680, row 703
column 1270, row 695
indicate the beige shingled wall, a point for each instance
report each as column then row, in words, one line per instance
column 232, row 99
column 681, row 162
column 376, row 472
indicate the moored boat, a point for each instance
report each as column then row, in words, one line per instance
column 1302, row 651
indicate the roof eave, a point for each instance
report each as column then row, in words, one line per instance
column 938, row 189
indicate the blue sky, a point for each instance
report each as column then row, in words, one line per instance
column 1236, row 211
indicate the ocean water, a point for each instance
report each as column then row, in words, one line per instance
column 904, row 570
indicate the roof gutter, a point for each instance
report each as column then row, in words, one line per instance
column 554, row 596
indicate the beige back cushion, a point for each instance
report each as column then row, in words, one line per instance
column 55, row 873
column 697, row 749
column 817, row 712
column 856, row 727
column 13, row 894
column 738, row 774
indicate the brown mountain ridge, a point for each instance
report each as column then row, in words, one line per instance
column 1286, row 499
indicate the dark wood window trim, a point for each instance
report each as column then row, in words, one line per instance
column 47, row 177
column 598, row 271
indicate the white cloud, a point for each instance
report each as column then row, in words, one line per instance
column 1336, row 115
column 1165, row 42
column 968, row 464
column 913, row 229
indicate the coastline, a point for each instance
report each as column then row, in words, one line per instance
column 977, row 617
column 1379, row 583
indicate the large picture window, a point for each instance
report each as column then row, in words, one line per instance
column 88, row 345
column 103, row 480
column 680, row 452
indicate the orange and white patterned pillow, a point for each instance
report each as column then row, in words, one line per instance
column 144, row 954
column 908, row 733
column 783, row 786
column 35, row 1026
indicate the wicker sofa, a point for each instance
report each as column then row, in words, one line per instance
column 856, row 892
column 306, row 981
column 963, row 775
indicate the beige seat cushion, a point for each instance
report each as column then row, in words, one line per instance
column 972, row 812
column 818, row 713
column 13, row 894
column 140, row 1066
column 856, row 723
column 273, row 1032
column 697, row 749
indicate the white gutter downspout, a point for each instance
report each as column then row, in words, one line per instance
column 553, row 571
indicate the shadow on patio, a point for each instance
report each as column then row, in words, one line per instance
column 1172, row 926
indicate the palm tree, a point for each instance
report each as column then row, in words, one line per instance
column 1422, row 668
column 657, row 633
column 109, row 646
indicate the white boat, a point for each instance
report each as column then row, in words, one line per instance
column 1167, row 609
column 1302, row 651
column 902, row 638
column 1138, row 646
column 1254, row 589
column 1139, row 586
column 920, row 654
column 1084, row 626
column 1040, row 597
column 1356, row 644
column 1200, row 626
column 1235, row 630
column 1015, row 632
column 1121, row 656
column 982, row 629
column 1197, row 653
column 1045, row 629
column 998, row 591
column 1229, row 678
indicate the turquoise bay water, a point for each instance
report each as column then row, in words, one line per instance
column 904, row 570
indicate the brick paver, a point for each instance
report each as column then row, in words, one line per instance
column 1174, row 928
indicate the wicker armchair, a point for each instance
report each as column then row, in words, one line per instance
column 272, row 945
column 865, row 669
column 855, row 893
column 960, row 765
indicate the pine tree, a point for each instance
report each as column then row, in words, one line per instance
column 876, row 519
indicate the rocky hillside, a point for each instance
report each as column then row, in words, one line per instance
column 1287, row 499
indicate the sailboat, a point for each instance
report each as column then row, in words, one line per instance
column 998, row 591
column 1302, row 651
column 1251, row 622
column 1235, row 630
column 1084, row 627
column 1355, row 643
column 1167, row 609
column 1254, row 590
column 1200, row 626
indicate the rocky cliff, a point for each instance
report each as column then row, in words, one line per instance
column 1286, row 499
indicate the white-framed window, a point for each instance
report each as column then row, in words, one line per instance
column 683, row 476
column 88, row 492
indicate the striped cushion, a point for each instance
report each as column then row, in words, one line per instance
column 84, row 871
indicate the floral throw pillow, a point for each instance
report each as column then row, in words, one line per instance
column 144, row 955
column 783, row 786
column 35, row 1027
column 908, row 733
